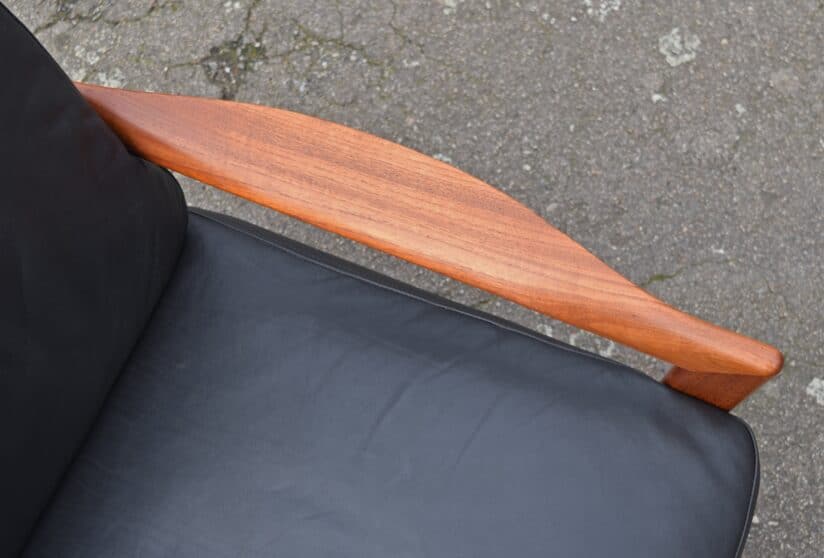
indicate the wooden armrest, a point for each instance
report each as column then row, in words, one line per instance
column 422, row 210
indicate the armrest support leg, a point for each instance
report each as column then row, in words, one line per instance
column 722, row 390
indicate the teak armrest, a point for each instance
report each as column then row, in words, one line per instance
column 422, row 210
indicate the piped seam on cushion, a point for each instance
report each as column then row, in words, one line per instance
column 756, row 478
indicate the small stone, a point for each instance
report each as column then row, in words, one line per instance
column 816, row 389
column 740, row 109
column 678, row 50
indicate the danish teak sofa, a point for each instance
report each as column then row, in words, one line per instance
column 175, row 382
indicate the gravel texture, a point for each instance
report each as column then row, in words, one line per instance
column 683, row 143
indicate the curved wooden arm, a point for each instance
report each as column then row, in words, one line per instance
column 427, row 212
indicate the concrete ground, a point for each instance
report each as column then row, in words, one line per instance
column 682, row 143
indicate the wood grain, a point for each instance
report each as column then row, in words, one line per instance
column 427, row 212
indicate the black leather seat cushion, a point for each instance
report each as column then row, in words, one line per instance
column 282, row 403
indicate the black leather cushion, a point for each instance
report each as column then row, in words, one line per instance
column 88, row 238
column 278, row 406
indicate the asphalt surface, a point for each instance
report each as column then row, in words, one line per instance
column 683, row 143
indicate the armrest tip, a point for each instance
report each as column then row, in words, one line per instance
column 773, row 363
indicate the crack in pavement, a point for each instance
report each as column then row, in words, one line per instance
column 661, row 277
column 64, row 12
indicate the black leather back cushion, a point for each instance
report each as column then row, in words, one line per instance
column 89, row 235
